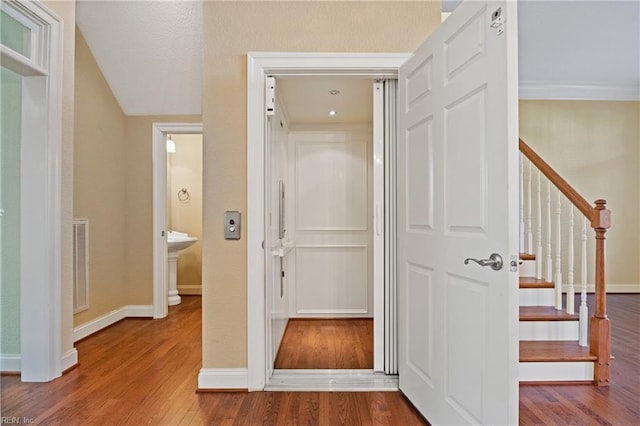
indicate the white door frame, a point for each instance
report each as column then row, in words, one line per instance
column 259, row 64
column 160, row 266
column 40, row 359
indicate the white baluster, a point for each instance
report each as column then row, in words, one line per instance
column 521, row 204
column 570, row 261
column 539, row 229
column 548, row 265
column 558, row 271
column 584, row 311
column 529, row 218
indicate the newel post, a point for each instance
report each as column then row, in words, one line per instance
column 600, row 327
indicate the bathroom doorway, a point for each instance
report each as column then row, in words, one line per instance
column 177, row 207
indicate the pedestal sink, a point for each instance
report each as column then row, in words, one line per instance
column 176, row 241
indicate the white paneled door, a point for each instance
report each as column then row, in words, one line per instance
column 458, row 199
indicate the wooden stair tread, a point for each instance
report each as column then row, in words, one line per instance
column 545, row 313
column 527, row 256
column 531, row 282
column 554, row 351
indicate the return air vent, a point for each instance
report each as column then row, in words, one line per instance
column 80, row 265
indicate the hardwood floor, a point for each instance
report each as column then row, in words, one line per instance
column 142, row 371
column 327, row 343
column 145, row 372
column 618, row 404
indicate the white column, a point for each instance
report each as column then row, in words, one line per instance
column 570, row 265
column 584, row 311
column 558, row 253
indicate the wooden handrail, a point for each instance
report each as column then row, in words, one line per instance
column 600, row 219
column 564, row 187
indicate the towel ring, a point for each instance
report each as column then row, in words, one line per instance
column 183, row 195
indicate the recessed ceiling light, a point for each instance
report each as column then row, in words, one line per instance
column 334, row 92
column 332, row 112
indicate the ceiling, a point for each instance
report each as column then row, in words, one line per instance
column 150, row 53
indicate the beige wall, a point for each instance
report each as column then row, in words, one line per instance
column 595, row 146
column 100, row 179
column 231, row 29
column 186, row 214
column 114, row 190
column 67, row 11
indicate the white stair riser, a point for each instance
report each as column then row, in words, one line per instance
column 528, row 268
column 549, row 330
column 537, row 297
column 555, row 371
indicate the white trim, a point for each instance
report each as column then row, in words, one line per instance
column 223, row 378
column 378, row 221
column 10, row 363
column 579, row 90
column 69, row 359
column 190, row 290
column 258, row 65
column 41, row 194
column 129, row 311
column 555, row 371
column 159, row 160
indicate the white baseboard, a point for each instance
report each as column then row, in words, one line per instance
column 88, row 328
column 223, row 378
column 190, row 290
column 10, row 363
column 69, row 359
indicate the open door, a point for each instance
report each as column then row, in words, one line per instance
column 458, row 199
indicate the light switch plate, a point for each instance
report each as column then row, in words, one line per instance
column 231, row 225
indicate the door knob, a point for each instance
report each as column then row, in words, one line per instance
column 495, row 261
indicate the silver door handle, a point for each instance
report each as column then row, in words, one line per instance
column 495, row 261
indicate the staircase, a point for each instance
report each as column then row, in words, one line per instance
column 556, row 343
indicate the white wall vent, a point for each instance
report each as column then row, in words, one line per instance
column 80, row 265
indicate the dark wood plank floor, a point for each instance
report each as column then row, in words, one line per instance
column 327, row 343
column 145, row 372
column 618, row 404
column 142, row 371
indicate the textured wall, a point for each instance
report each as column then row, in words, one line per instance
column 231, row 29
column 100, row 180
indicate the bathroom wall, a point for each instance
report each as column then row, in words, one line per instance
column 595, row 146
column 185, row 171
column 306, row 26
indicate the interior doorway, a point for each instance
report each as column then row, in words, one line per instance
column 260, row 371
column 162, row 195
column 320, row 279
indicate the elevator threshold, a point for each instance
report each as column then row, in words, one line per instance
column 331, row 380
